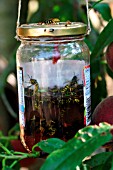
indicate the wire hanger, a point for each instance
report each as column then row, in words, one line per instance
column 19, row 11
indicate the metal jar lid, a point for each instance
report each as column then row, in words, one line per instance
column 51, row 29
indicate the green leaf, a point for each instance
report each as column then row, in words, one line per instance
column 108, row 163
column 101, row 161
column 50, row 144
column 83, row 167
column 98, row 159
column 98, row 167
column 104, row 39
column 104, row 10
column 96, row 3
column 75, row 150
column 7, row 168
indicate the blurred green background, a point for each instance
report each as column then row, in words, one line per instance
column 40, row 10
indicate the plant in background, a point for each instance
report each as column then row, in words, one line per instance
column 73, row 154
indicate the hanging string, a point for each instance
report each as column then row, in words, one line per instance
column 18, row 19
column 19, row 9
column 88, row 23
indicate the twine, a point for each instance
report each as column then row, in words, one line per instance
column 18, row 19
column 88, row 20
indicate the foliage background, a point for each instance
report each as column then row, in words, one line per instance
column 35, row 11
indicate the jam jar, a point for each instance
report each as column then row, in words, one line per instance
column 53, row 73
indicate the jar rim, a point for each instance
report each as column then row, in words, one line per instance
column 37, row 30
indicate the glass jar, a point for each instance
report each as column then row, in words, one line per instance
column 53, row 71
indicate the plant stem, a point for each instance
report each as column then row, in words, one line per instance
column 4, row 163
column 8, row 138
column 19, row 153
column 5, row 149
column 14, row 163
column 21, row 156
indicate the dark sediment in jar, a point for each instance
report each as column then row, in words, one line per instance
column 55, row 112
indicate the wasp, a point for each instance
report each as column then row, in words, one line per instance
column 70, row 88
column 34, row 83
column 74, row 81
column 65, row 89
column 52, row 21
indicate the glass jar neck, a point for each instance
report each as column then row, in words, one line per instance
column 53, row 39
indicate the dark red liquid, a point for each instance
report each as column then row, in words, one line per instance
column 54, row 113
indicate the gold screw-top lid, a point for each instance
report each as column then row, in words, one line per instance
column 51, row 29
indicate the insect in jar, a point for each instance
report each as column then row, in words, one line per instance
column 33, row 92
column 33, row 87
column 74, row 80
column 52, row 21
column 65, row 89
column 34, row 83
